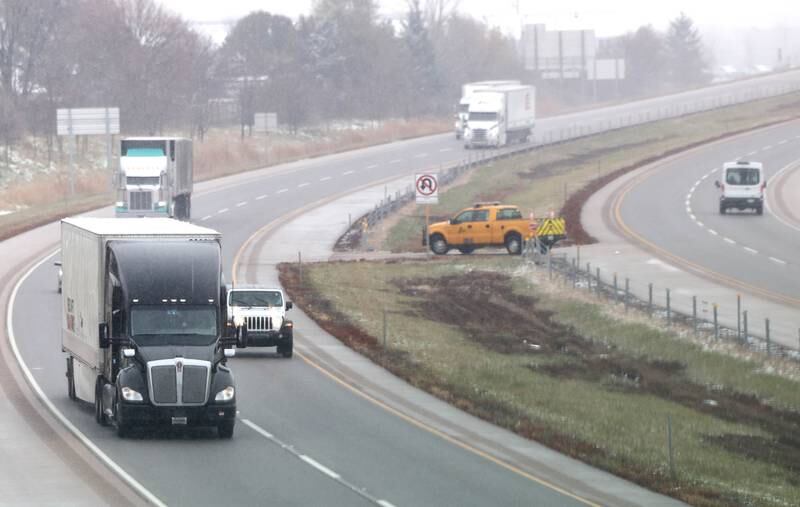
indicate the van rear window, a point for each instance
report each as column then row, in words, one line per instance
column 742, row 176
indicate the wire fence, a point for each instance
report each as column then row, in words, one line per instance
column 682, row 311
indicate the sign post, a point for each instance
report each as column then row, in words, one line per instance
column 87, row 121
column 426, row 186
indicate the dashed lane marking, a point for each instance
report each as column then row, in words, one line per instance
column 305, row 184
column 421, row 155
column 712, row 231
column 779, row 261
column 347, row 172
column 751, row 250
column 325, row 470
column 445, row 149
column 326, row 178
column 282, row 190
column 262, row 196
column 767, row 147
column 240, row 204
column 373, row 166
column 205, row 218
column 395, row 161
column 223, row 210
column 729, row 240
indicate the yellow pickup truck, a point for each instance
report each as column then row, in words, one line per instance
column 484, row 224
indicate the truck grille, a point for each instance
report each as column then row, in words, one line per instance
column 141, row 201
column 258, row 323
column 179, row 381
column 479, row 135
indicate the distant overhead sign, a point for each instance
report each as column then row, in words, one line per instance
column 266, row 122
column 87, row 121
column 427, row 188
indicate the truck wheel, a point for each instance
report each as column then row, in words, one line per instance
column 514, row 244
column 71, row 380
column 99, row 412
column 439, row 244
column 466, row 250
column 225, row 428
column 721, row 209
column 188, row 207
column 760, row 210
column 123, row 428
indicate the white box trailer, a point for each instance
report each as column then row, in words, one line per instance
column 122, row 275
column 500, row 116
column 467, row 89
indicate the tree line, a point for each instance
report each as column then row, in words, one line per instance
column 341, row 61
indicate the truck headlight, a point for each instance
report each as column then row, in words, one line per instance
column 129, row 394
column 226, row 394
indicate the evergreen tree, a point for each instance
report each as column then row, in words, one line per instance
column 645, row 61
column 686, row 63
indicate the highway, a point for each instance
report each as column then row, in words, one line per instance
column 303, row 439
column 756, row 253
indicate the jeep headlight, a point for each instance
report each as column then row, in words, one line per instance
column 226, row 394
column 129, row 394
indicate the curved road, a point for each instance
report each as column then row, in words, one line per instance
column 305, row 440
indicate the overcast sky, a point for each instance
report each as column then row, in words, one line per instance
column 606, row 17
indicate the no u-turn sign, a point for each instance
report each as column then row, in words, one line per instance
column 426, row 186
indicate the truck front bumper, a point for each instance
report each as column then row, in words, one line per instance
column 144, row 414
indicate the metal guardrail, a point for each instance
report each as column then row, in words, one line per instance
column 751, row 335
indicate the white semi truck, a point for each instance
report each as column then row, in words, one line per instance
column 467, row 89
column 144, row 323
column 500, row 116
column 154, row 177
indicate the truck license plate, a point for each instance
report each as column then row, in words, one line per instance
column 179, row 421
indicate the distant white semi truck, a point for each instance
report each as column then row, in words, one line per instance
column 155, row 177
column 467, row 89
column 500, row 116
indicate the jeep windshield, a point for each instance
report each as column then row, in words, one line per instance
column 174, row 324
column 255, row 298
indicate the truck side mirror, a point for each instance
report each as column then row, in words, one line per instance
column 102, row 333
column 289, row 305
column 57, row 263
column 716, row 184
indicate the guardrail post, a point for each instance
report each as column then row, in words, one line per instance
column 744, row 325
column 766, row 328
column 589, row 277
column 627, row 292
column 650, row 299
column 616, row 296
column 669, row 310
column 716, row 323
column 694, row 314
column 599, row 294
column 738, row 316
column 574, row 274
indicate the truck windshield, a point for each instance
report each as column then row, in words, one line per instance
column 255, row 298
column 142, row 148
column 174, row 324
column 478, row 116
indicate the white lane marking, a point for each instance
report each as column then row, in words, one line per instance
column 694, row 218
column 421, row 155
column 111, row 464
column 347, row 172
column 384, row 503
column 205, row 218
column 689, row 210
column 445, row 149
column 773, row 259
column 258, row 429
column 712, row 231
column 701, row 224
column 262, row 196
column 326, row 178
column 767, row 147
column 751, row 250
column 305, row 184
column 282, row 190
column 373, row 166
column 240, row 204
column 325, row 470
column 705, row 176
column 729, row 240
column 688, row 198
column 395, row 161
column 783, row 141
column 752, row 153
column 223, row 210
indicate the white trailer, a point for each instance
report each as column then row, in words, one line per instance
column 155, row 177
column 467, row 89
column 500, row 116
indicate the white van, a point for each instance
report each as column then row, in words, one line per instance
column 742, row 186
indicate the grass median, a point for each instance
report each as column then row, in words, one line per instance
column 494, row 338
